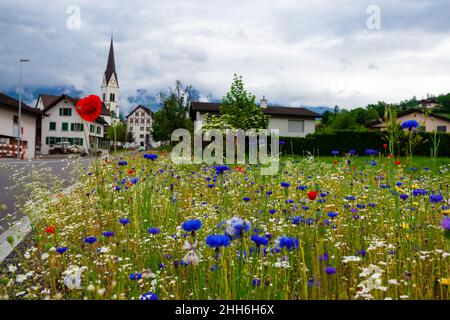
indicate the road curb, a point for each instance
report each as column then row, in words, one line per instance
column 22, row 228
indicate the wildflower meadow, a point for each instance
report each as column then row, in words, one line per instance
column 136, row 226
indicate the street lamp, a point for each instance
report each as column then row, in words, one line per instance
column 19, row 118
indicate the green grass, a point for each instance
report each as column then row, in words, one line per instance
column 406, row 252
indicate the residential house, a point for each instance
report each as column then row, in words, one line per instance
column 427, row 122
column 9, row 126
column 61, row 123
column 139, row 123
column 290, row 121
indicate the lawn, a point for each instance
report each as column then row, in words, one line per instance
column 140, row 227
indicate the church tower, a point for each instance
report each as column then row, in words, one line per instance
column 110, row 86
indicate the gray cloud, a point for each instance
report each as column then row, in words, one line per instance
column 294, row 52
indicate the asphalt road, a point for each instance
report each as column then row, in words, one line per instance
column 14, row 173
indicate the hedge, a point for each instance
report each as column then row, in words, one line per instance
column 343, row 141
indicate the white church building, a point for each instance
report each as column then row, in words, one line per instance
column 61, row 123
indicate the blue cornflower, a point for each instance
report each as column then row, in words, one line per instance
column 324, row 257
column 217, row 240
column 124, row 221
column 350, row 198
column 122, row 163
column 134, row 180
column 246, row 199
column 258, row 240
column 61, row 250
column 332, row 214
column 330, row 270
column 272, row 211
column 221, row 169
column 237, row 227
column 371, row 152
column 303, row 188
column 296, row 220
column 436, row 198
column 149, row 296
column 269, row 193
column 352, row 152
column 90, row 240
column 419, row 192
column 404, row 196
column 192, row 225
column 211, row 185
column 108, row 234
column 445, row 223
column 135, row 276
column 153, row 230
column 335, row 152
column 150, row 156
column 288, row 243
column 285, row 184
column 256, row 282
column 410, row 124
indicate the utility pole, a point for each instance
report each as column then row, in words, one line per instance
column 19, row 118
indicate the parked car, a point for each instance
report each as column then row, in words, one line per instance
column 60, row 148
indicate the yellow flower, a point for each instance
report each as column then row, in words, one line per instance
column 405, row 225
column 446, row 212
column 415, row 186
column 444, row 282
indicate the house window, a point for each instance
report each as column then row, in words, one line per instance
column 76, row 127
column 441, row 129
column 16, row 119
column 104, row 96
column 148, row 128
column 99, row 130
column 112, row 97
column 52, row 126
column 141, row 136
column 142, row 121
column 65, row 126
column 50, row 140
column 91, row 129
column 148, row 121
column 296, row 125
column 65, row 112
column 142, row 129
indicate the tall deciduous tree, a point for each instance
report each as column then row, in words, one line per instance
column 172, row 115
column 239, row 110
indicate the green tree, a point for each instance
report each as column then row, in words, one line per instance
column 172, row 114
column 117, row 132
column 238, row 108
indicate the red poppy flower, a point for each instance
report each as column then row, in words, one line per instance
column 240, row 169
column 130, row 172
column 312, row 195
column 89, row 108
column 335, row 162
column 397, row 162
column 50, row 229
column 385, row 145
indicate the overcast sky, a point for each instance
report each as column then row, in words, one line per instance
column 294, row 52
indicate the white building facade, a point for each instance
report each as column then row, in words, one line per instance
column 290, row 121
column 139, row 123
column 61, row 123
column 9, row 127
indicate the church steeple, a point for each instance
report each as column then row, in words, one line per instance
column 111, row 66
column 110, row 86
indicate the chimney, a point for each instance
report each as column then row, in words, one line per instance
column 263, row 103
